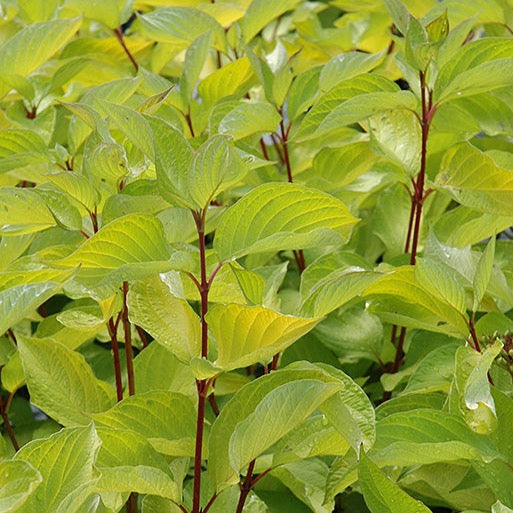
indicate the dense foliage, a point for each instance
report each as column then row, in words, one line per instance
column 255, row 256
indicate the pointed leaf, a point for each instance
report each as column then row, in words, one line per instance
column 112, row 13
column 399, row 14
column 483, row 273
column 166, row 419
column 250, row 334
column 248, row 119
column 129, row 239
column 61, row 383
column 195, row 58
column 473, row 179
column 35, row 44
column 65, row 461
column 381, row 494
column 20, row 148
column 278, row 216
column 78, row 187
column 18, row 480
column 170, row 320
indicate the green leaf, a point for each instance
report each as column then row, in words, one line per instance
column 166, row 419
column 337, row 167
column 18, row 480
column 278, row 216
column 473, row 179
column 275, row 415
column 303, row 91
column 132, row 124
column 216, row 166
column 307, row 481
column 65, row 462
column 346, row 66
column 483, row 273
column 78, row 187
column 23, row 211
column 470, row 394
column 173, row 156
column 156, row 368
column 35, row 44
column 345, row 91
column 381, row 494
column 338, row 288
column 401, row 299
column 128, row 463
column 400, row 16
column 260, row 13
column 250, row 334
column 20, row 148
column 364, row 106
column 170, row 320
column 129, row 239
column 424, row 436
column 195, row 58
column 464, row 73
column 180, row 26
column 112, row 13
column 248, row 119
column 234, row 79
column 61, row 383
column 441, row 281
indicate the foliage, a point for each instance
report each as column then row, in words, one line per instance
column 255, row 256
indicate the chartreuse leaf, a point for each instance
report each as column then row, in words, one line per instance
column 226, row 449
column 278, row 216
column 180, row 26
column 498, row 507
column 470, row 394
column 339, row 166
column 132, row 124
column 157, row 368
column 400, row 298
column 112, row 13
column 61, row 383
column 346, row 66
column 128, row 463
column 399, row 14
column 78, row 187
column 216, row 166
column 20, row 148
column 250, row 334
column 23, row 211
column 127, row 240
column 441, row 281
column 307, row 481
column 18, row 480
column 248, row 119
column 352, row 88
column 65, row 462
column 170, row 320
column 173, row 155
column 313, row 437
column 166, row 419
column 195, row 58
column 424, row 436
column 364, row 106
column 233, row 79
column 20, row 301
column 275, row 415
column 66, row 214
column 35, row 44
column 260, row 13
column 483, row 273
column 338, row 288
column 473, row 179
column 381, row 494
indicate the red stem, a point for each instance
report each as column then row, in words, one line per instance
column 246, row 487
column 112, row 329
column 142, row 335
column 8, row 426
column 128, row 343
column 119, row 34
